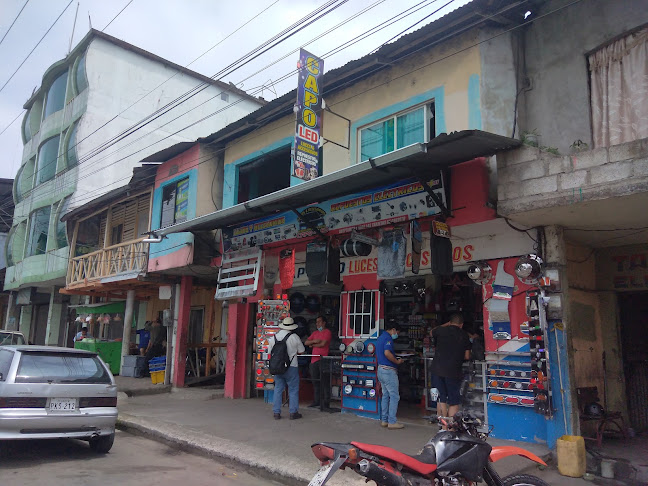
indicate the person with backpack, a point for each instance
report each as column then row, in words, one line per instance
column 284, row 347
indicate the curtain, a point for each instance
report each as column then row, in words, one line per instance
column 619, row 81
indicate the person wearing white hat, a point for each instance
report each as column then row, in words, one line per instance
column 290, row 378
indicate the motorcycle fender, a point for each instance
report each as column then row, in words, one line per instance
column 501, row 452
column 322, row 477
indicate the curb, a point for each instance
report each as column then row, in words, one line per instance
column 140, row 392
column 229, row 451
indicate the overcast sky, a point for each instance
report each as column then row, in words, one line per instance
column 182, row 30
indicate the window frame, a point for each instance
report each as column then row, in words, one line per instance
column 37, row 168
column 57, row 220
column 44, row 114
column 348, row 329
column 174, row 184
column 429, row 112
column 67, row 149
column 75, row 78
column 28, row 252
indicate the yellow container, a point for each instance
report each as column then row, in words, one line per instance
column 157, row 377
column 571, row 455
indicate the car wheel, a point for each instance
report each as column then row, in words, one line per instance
column 102, row 444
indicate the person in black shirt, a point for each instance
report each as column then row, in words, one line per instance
column 452, row 348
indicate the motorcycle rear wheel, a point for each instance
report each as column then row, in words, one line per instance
column 523, row 480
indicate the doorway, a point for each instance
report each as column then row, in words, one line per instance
column 633, row 312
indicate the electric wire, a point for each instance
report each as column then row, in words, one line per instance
column 431, row 63
column 37, row 44
column 118, row 14
column 11, row 122
column 428, row 64
column 14, row 21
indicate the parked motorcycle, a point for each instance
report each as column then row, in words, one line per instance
column 458, row 456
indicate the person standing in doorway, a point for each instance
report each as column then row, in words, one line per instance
column 320, row 341
column 290, row 378
column 452, row 348
column 388, row 377
column 155, row 345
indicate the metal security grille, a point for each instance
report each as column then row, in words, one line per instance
column 361, row 318
column 239, row 274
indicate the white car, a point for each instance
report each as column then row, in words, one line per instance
column 12, row 337
column 48, row 392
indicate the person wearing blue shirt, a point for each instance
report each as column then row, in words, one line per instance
column 388, row 377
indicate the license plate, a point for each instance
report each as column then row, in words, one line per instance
column 62, row 404
column 321, row 475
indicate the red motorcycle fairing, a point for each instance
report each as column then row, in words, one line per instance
column 505, row 451
column 392, row 454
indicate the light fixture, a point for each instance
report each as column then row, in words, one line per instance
column 153, row 237
column 348, row 389
column 359, row 347
column 342, row 347
column 371, row 348
column 529, row 269
column 480, row 272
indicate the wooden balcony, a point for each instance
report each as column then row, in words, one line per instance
column 130, row 258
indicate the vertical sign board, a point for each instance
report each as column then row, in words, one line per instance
column 308, row 108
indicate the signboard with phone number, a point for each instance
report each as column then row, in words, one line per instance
column 395, row 203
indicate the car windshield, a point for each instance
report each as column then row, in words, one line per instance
column 7, row 338
column 51, row 367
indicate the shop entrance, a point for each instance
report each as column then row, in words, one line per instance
column 633, row 310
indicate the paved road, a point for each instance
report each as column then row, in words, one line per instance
column 132, row 461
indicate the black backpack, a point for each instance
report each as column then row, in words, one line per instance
column 279, row 357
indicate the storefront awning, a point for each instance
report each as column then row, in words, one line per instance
column 418, row 160
column 104, row 308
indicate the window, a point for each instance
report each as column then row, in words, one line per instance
column 27, row 127
column 80, row 78
column 6, row 357
column 37, row 367
column 361, row 309
column 61, row 228
column 88, row 234
column 175, row 203
column 70, row 147
column 116, row 234
column 619, row 90
column 47, row 157
column 38, row 230
column 15, row 244
column 264, row 175
column 56, row 95
column 25, row 179
column 414, row 126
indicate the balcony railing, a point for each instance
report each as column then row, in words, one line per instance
column 122, row 259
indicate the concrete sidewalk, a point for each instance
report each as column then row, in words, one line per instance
column 244, row 431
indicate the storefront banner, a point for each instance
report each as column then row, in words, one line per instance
column 395, row 203
column 309, row 118
column 505, row 243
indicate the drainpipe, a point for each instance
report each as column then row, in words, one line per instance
column 128, row 322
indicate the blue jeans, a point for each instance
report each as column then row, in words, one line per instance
column 390, row 397
column 289, row 379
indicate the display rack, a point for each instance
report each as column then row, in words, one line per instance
column 269, row 314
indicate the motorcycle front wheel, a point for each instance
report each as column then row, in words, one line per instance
column 523, row 480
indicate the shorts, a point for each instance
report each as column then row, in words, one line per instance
column 449, row 389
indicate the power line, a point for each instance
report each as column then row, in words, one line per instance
column 118, row 14
column 14, row 21
column 11, row 123
column 41, row 40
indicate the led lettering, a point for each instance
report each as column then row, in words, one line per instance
column 309, row 117
column 310, row 99
column 313, row 66
column 311, row 84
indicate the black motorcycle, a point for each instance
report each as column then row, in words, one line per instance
column 458, row 456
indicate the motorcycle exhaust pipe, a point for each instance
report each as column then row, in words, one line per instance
column 373, row 472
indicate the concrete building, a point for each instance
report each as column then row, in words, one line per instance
column 6, row 214
column 84, row 131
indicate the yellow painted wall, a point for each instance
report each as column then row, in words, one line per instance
column 388, row 87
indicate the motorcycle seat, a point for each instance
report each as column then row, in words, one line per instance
column 413, row 463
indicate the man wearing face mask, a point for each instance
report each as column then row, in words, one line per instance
column 320, row 341
column 388, row 377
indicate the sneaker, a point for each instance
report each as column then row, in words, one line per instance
column 384, row 424
column 395, row 426
column 295, row 416
column 277, row 416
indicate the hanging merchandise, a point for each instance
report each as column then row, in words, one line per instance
column 316, row 262
column 498, row 306
column 538, row 342
column 417, row 240
column 353, row 248
column 392, row 253
column 287, row 268
column 297, row 302
column 440, row 249
column 270, row 270
column 313, row 304
column 333, row 274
